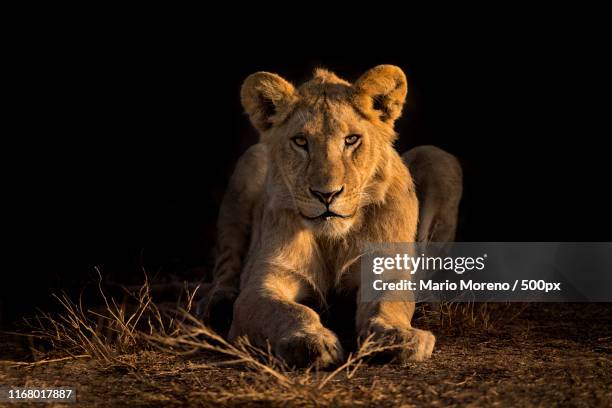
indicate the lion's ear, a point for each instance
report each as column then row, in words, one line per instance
column 266, row 98
column 381, row 92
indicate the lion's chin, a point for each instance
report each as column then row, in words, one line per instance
column 329, row 226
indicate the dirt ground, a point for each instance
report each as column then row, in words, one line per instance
column 549, row 355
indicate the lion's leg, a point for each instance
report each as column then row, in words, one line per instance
column 388, row 322
column 270, row 313
column 439, row 184
column 438, row 179
column 234, row 231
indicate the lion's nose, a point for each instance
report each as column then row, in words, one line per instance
column 328, row 196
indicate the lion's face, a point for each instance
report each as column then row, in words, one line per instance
column 327, row 140
column 326, row 157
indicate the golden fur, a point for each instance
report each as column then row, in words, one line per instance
column 273, row 250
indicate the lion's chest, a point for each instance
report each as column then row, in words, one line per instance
column 337, row 266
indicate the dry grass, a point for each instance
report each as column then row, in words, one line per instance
column 104, row 335
column 116, row 335
column 458, row 317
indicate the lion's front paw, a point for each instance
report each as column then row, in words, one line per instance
column 402, row 344
column 303, row 347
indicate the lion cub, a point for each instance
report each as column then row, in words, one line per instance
column 323, row 181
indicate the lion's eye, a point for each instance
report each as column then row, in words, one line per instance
column 351, row 139
column 301, row 141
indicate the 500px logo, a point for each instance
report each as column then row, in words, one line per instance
column 405, row 262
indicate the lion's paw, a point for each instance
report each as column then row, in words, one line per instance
column 301, row 348
column 402, row 344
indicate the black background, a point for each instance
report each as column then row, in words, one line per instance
column 118, row 148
